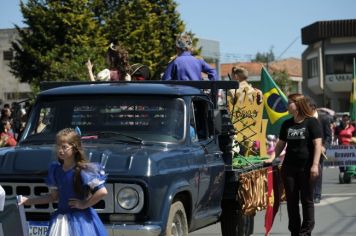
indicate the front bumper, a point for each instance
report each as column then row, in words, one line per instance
column 133, row 230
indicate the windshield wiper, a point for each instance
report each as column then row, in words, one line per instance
column 111, row 134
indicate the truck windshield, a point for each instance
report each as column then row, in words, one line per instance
column 140, row 118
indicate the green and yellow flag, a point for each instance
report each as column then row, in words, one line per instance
column 353, row 94
column 275, row 103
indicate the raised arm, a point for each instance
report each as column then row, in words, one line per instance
column 90, row 70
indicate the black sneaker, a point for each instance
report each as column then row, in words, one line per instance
column 317, row 200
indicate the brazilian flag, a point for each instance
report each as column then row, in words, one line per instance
column 275, row 103
column 353, row 95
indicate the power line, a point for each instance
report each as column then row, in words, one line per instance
column 290, row 45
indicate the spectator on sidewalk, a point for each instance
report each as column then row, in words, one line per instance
column 7, row 138
column 344, row 133
column 325, row 123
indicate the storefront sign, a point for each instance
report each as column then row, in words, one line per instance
column 338, row 77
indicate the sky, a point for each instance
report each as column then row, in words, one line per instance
column 242, row 27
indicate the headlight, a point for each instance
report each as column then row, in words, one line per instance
column 127, row 198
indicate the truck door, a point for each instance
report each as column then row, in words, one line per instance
column 211, row 173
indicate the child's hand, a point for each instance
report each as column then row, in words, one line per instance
column 76, row 203
column 269, row 160
column 22, row 200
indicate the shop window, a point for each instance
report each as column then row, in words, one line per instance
column 339, row 64
column 312, row 65
column 17, row 95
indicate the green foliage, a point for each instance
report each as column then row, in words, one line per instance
column 147, row 28
column 265, row 57
column 283, row 81
column 62, row 35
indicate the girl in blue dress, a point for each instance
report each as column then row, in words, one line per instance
column 76, row 185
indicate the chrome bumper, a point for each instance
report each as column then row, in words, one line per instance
column 133, row 230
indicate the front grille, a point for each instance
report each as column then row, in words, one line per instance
column 106, row 205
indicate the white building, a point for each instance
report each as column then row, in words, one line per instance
column 11, row 90
column 327, row 62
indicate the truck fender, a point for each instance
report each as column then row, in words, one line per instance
column 178, row 190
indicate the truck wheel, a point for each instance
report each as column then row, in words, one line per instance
column 177, row 220
column 347, row 178
column 233, row 222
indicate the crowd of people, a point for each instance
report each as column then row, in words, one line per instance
column 13, row 119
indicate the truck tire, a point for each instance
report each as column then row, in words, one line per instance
column 347, row 178
column 177, row 220
column 233, row 222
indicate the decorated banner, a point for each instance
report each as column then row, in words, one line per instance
column 246, row 108
column 340, row 155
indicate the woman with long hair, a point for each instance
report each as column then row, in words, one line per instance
column 303, row 136
column 118, row 65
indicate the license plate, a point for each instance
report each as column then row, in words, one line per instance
column 38, row 228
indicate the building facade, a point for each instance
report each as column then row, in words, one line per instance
column 11, row 90
column 327, row 62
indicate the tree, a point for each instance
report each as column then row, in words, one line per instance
column 264, row 57
column 61, row 36
column 147, row 28
column 283, row 81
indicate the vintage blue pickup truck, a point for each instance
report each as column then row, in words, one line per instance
column 166, row 147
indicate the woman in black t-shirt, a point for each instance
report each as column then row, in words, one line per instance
column 302, row 134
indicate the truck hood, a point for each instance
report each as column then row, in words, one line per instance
column 121, row 159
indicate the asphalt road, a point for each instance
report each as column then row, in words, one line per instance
column 335, row 215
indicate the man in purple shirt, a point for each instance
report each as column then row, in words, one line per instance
column 185, row 66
